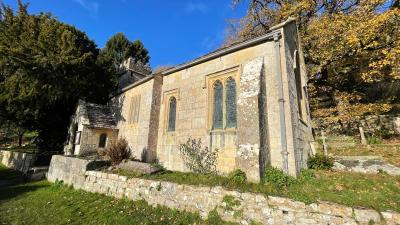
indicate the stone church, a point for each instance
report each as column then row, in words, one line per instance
column 248, row 100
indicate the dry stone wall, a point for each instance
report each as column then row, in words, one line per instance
column 243, row 208
column 71, row 170
column 20, row 161
column 378, row 125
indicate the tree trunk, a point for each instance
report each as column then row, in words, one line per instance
column 20, row 138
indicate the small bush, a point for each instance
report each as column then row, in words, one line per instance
column 214, row 217
column 307, row 175
column 320, row 162
column 373, row 140
column 197, row 158
column 158, row 166
column 237, row 177
column 230, row 202
column 118, row 151
column 102, row 153
column 277, row 177
column 382, row 172
column 58, row 184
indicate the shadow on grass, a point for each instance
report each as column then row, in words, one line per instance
column 10, row 192
column 9, row 174
column 13, row 183
column 10, row 177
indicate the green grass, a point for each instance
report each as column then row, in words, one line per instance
column 380, row 192
column 45, row 203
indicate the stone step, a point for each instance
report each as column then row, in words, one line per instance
column 37, row 173
column 37, row 176
column 365, row 164
column 39, row 169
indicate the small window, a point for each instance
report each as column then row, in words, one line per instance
column 102, row 140
column 218, row 105
column 231, row 114
column 172, row 114
column 297, row 74
column 77, row 138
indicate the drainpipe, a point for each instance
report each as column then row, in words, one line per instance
column 281, row 102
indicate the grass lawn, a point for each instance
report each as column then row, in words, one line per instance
column 45, row 203
column 380, row 191
column 390, row 152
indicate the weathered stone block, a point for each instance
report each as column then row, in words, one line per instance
column 335, row 209
column 391, row 218
column 366, row 216
column 286, row 204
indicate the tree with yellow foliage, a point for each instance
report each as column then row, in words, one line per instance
column 352, row 51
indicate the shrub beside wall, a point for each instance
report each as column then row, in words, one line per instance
column 197, row 158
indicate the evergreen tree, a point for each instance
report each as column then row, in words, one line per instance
column 45, row 67
column 118, row 48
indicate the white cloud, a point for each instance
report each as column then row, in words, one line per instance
column 91, row 6
column 196, row 7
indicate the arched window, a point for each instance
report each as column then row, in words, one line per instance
column 172, row 114
column 230, row 101
column 218, row 105
column 102, row 140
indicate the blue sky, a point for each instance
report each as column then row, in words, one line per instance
column 173, row 31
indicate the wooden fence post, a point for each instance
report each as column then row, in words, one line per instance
column 363, row 140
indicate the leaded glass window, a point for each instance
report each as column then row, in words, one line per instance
column 231, row 116
column 172, row 114
column 218, row 106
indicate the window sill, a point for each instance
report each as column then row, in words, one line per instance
column 219, row 131
column 172, row 133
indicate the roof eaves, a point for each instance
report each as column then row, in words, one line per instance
column 144, row 80
column 224, row 51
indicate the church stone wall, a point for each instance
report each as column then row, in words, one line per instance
column 300, row 125
column 247, row 155
column 154, row 118
column 90, row 138
column 272, row 106
column 135, row 133
column 255, row 72
column 192, row 88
